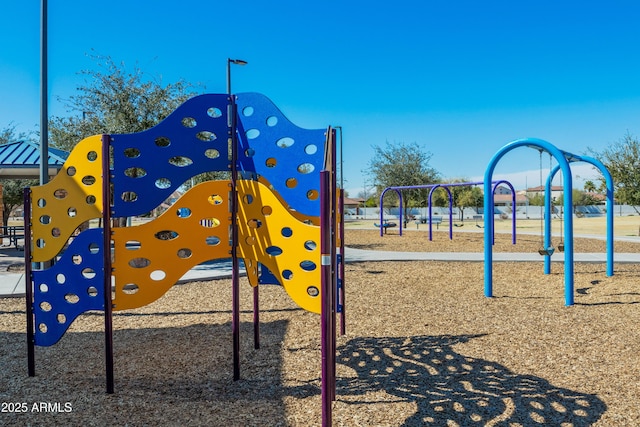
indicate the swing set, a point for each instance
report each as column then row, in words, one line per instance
column 564, row 159
column 430, row 218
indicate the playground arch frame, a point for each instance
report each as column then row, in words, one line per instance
column 398, row 189
column 564, row 159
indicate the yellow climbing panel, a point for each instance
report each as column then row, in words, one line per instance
column 271, row 235
column 150, row 258
column 72, row 197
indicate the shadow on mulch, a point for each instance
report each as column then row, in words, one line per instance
column 163, row 376
column 448, row 387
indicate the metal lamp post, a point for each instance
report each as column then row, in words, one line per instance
column 235, row 267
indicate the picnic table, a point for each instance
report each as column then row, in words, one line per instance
column 12, row 232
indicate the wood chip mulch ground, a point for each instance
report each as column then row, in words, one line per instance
column 423, row 347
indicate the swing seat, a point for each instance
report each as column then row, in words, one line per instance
column 546, row 251
column 561, row 247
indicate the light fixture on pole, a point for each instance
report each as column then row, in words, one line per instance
column 229, row 62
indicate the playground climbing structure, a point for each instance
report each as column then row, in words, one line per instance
column 268, row 213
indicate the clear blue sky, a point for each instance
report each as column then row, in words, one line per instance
column 460, row 78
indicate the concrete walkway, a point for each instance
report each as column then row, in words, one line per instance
column 13, row 284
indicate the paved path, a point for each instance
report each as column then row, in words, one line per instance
column 13, row 284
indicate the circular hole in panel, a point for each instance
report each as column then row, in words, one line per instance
column 43, row 288
column 249, row 152
column 94, row 248
column 312, row 194
column 247, row 111
column 129, row 196
column 311, row 149
column 312, row 291
column 131, row 153
column 206, row 136
column 307, row 265
column 272, row 121
column 55, row 232
column 209, row 222
column 166, row 235
column 88, row 273
column 215, row 199
column 248, row 199
column 163, row 183
column 286, row 232
column 214, row 112
column 61, row 318
column 130, row 288
column 60, row 193
column 266, row 210
column 254, row 223
column 306, row 168
column 60, row 278
column 287, row 274
column 91, row 199
column 45, row 219
column 139, row 262
column 45, row 306
column 189, row 122
column 88, row 180
column 92, row 156
column 76, row 259
column 211, row 153
column 273, row 251
column 310, row 245
column 271, row 162
column 252, row 133
column 41, row 203
column 92, row 291
column 157, row 275
column 72, row 212
column 163, row 141
column 71, row 298
column 183, row 212
column 212, row 240
column 135, row 172
column 40, row 243
column 71, row 170
column 285, row 142
column 291, row 182
column 42, row 328
column 132, row 245
column 184, row 253
column 180, row 161
column 250, row 240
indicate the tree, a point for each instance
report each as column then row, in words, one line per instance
column 401, row 164
column 464, row 196
column 112, row 100
column 12, row 189
column 13, row 195
column 536, row 200
column 622, row 159
column 578, row 198
column 589, row 186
